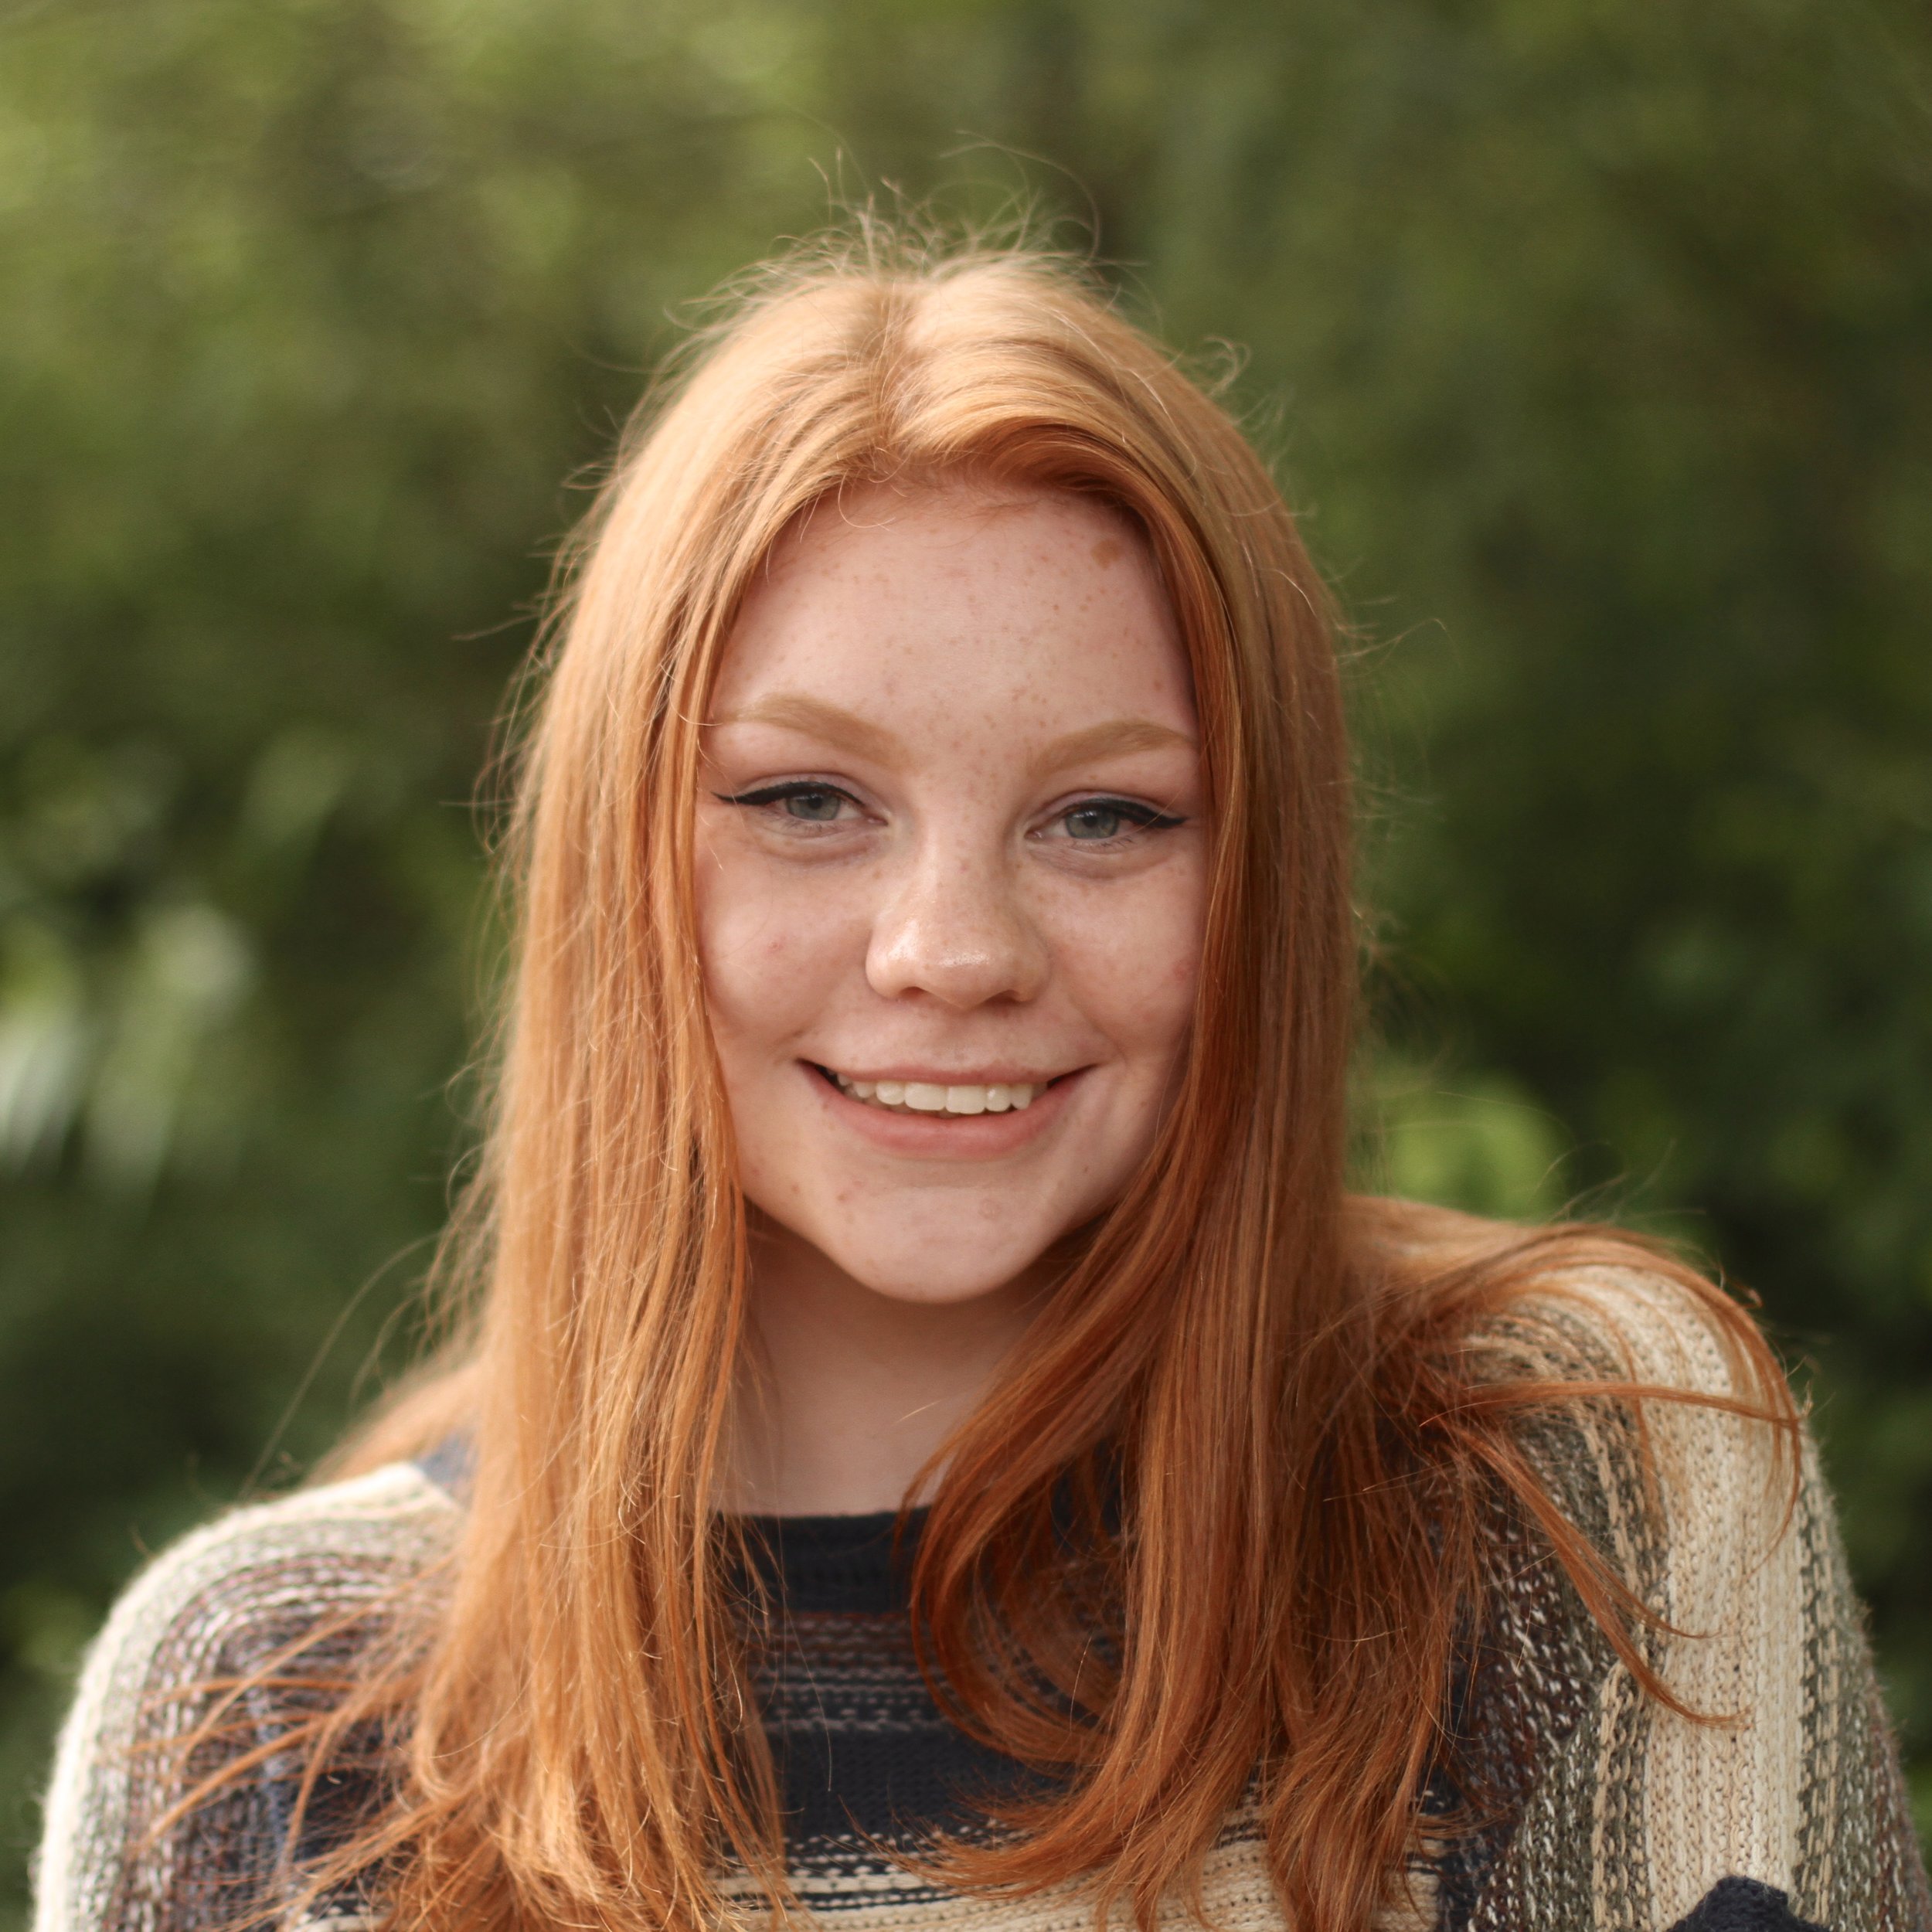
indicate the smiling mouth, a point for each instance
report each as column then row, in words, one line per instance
column 925, row 1097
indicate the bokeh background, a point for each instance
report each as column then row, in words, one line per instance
column 1594, row 340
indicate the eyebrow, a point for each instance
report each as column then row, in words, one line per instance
column 795, row 711
column 1115, row 738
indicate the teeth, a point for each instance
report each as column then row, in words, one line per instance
column 926, row 1096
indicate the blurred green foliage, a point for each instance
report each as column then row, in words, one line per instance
column 1593, row 339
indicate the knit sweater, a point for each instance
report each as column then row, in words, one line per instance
column 1614, row 1811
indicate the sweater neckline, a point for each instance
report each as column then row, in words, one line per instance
column 839, row 1564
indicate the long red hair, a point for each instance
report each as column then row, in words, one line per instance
column 1251, row 1399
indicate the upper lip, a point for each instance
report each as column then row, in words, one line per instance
column 978, row 1076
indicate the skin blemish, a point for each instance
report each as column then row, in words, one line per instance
column 1106, row 550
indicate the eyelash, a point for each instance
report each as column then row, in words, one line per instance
column 1142, row 818
column 777, row 794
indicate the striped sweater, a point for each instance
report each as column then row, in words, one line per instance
column 1614, row 1813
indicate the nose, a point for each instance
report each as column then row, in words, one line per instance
column 955, row 929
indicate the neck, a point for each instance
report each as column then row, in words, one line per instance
column 849, row 1394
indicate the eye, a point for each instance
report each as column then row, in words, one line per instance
column 800, row 799
column 1097, row 821
column 820, row 804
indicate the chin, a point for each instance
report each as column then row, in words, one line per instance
column 903, row 1273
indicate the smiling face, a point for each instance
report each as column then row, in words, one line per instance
column 951, row 883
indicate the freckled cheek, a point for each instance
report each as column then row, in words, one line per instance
column 1132, row 968
column 773, row 960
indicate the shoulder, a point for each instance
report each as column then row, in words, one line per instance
column 1656, row 1411
column 269, row 1567
column 1739, row 1737
column 219, row 1604
column 1653, row 1412
column 1570, row 1304
column 1604, row 1311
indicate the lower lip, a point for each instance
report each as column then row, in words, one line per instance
column 958, row 1136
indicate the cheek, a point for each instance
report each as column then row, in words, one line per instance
column 771, row 959
column 1135, row 966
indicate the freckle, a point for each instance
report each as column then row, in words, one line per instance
column 1106, row 550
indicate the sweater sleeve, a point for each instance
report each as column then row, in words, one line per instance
column 1779, row 1804
column 219, row 1604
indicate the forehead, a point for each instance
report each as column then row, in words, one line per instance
column 959, row 602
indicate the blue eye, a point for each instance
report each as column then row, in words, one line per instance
column 1100, row 820
column 811, row 804
column 1094, row 822
column 819, row 804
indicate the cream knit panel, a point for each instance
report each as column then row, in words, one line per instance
column 1237, row 1895
column 1710, row 1799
